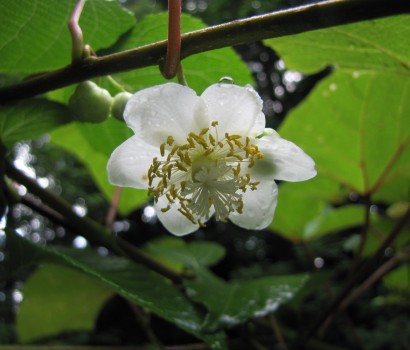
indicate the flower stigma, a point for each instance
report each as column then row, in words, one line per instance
column 206, row 172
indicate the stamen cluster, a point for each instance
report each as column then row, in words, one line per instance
column 203, row 173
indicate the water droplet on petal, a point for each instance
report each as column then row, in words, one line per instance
column 226, row 80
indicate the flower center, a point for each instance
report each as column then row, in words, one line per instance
column 204, row 174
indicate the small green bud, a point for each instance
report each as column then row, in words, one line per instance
column 118, row 105
column 90, row 103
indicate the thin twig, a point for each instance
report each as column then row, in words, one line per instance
column 112, row 210
column 273, row 25
column 359, row 275
column 278, row 332
column 91, row 230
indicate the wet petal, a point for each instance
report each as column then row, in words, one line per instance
column 129, row 163
column 259, row 207
column 165, row 110
column 237, row 109
column 283, row 160
column 173, row 220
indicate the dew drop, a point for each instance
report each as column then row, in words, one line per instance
column 333, row 87
column 226, row 80
column 356, row 74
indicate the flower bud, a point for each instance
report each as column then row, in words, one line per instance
column 90, row 103
column 118, row 105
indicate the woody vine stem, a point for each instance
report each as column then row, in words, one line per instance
column 272, row 25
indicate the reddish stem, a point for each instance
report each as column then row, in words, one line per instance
column 76, row 32
column 112, row 211
column 174, row 39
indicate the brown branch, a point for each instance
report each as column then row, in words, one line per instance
column 91, row 230
column 273, row 25
column 361, row 273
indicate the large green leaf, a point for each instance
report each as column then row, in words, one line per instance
column 34, row 36
column 230, row 304
column 93, row 144
column 362, row 143
column 304, row 213
column 29, row 119
column 354, row 124
column 72, row 301
column 200, row 70
column 379, row 45
column 135, row 282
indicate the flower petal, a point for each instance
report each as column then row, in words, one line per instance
column 237, row 109
column 129, row 163
column 166, row 110
column 259, row 207
column 283, row 160
column 173, row 220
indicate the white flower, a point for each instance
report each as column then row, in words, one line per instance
column 205, row 155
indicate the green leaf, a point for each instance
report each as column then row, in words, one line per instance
column 375, row 45
column 71, row 298
column 354, row 124
column 93, row 144
column 192, row 255
column 230, row 304
column 200, row 70
column 294, row 211
column 399, row 279
column 304, row 213
column 135, row 282
column 29, row 119
column 34, row 36
column 335, row 219
column 356, row 129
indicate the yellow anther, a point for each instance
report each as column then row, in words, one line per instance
column 204, row 131
column 187, row 160
column 164, row 210
column 173, row 192
column 238, row 143
column 169, row 197
column 162, row 149
column 239, row 209
column 180, row 166
column 165, row 180
column 211, row 140
column 233, row 137
column 231, row 145
column 237, row 170
column 191, row 142
column 170, row 140
column 214, row 123
column 201, row 223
